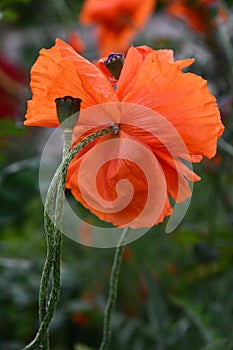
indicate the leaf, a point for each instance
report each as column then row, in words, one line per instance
column 196, row 316
column 157, row 311
column 9, row 15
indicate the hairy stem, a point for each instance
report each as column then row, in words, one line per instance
column 53, row 237
column 113, row 288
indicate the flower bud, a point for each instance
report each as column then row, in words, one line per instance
column 68, row 109
column 114, row 63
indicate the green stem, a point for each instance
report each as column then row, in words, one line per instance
column 113, row 288
column 56, row 245
column 48, row 216
column 43, row 295
column 53, row 236
column 226, row 45
column 44, row 285
column 225, row 146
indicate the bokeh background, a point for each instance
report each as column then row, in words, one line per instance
column 175, row 289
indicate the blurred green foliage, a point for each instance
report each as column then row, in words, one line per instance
column 175, row 289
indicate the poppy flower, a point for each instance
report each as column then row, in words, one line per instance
column 152, row 101
column 81, row 318
column 117, row 21
column 76, row 42
column 197, row 14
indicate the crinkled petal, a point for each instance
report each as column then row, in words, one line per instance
column 117, row 21
column 148, row 149
column 120, row 181
column 192, row 15
column 162, row 138
column 133, row 63
column 59, row 72
column 182, row 98
column 130, row 70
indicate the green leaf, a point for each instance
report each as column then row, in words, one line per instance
column 196, row 316
column 9, row 15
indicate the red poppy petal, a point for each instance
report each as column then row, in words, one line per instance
column 117, row 21
column 184, row 99
column 159, row 134
column 133, row 63
column 140, row 129
column 120, row 181
column 130, row 70
column 59, row 72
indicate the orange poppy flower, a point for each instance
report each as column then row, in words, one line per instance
column 197, row 14
column 81, row 318
column 151, row 98
column 117, row 21
column 76, row 42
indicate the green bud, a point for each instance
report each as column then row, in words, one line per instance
column 114, row 63
column 68, row 109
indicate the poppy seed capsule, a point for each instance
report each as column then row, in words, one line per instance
column 114, row 63
column 115, row 128
column 67, row 111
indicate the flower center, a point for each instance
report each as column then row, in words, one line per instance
column 114, row 64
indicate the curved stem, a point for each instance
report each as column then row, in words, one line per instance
column 56, row 245
column 48, row 210
column 113, row 288
column 53, row 236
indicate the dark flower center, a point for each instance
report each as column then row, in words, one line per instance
column 114, row 63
